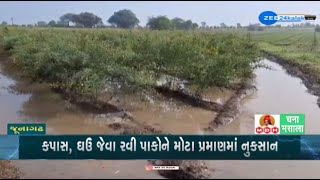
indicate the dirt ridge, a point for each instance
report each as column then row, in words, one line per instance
column 189, row 99
column 232, row 108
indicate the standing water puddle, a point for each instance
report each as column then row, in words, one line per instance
column 41, row 105
column 277, row 93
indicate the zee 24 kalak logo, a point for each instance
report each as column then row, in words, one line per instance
column 270, row 17
column 267, row 124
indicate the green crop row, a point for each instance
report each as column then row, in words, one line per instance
column 83, row 60
column 299, row 47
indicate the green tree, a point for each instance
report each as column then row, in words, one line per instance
column 66, row 18
column 178, row 23
column 203, row 24
column 255, row 27
column 87, row 19
column 195, row 25
column 124, row 19
column 159, row 23
column 223, row 25
column 52, row 23
column 42, row 24
column 4, row 23
column 188, row 24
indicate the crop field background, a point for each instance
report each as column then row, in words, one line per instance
column 82, row 61
column 296, row 46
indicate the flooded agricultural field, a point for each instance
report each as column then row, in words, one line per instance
column 277, row 92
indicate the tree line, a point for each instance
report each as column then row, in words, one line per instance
column 127, row 19
column 121, row 19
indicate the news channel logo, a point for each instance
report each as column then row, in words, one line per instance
column 270, row 18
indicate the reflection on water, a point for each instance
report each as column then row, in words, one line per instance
column 10, row 103
column 37, row 104
column 277, row 93
column 187, row 120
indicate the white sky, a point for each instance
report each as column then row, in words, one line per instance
column 213, row 13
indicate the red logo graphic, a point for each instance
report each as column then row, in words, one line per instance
column 259, row 130
column 267, row 130
column 266, row 124
column 275, row 130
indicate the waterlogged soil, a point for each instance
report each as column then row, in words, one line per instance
column 277, row 92
column 174, row 117
column 25, row 103
column 22, row 102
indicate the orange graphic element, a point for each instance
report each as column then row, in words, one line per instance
column 267, row 120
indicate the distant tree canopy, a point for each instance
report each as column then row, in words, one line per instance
column 203, row 24
column 87, row 19
column 4, row 23
column 164, row 23
column 239, row 25
column 223, row 25
column 317, row 29
column 159, row 23
column 42, row 24
column 179, row 23
column 124, row 19
column 52, row 23
column 84, row 19
column 182, row 24
column 195, row 25
column 69, row 17
column 255, row 27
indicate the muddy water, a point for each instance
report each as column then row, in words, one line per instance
column 277, row 93
column 176, row 118
column 39, row 104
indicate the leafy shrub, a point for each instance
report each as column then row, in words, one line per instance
column 82, row 61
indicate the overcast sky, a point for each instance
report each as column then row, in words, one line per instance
column 213, row 13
